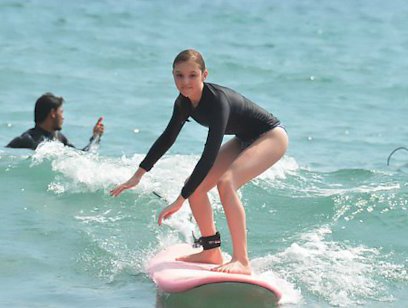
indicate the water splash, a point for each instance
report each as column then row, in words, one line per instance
column 342, row 274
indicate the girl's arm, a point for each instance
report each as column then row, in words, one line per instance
column 132, row 182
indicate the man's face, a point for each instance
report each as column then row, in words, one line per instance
column 58, row 118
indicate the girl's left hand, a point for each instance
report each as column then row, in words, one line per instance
column 168, row 211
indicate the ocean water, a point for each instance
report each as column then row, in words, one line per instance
column 328, row 223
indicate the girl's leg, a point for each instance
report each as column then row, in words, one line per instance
column 200, row 203
column 254, row 160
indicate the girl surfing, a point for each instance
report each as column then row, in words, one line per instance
column 259, row 142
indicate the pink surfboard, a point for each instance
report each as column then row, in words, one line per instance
column 173, row 276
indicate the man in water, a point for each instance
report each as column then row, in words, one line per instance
column 48, row 118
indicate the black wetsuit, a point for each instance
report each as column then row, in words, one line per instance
column 224, row 112
column 34, row 136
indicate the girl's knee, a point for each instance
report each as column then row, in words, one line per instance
column 225, row 184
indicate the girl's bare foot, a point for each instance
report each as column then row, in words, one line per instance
column 212, row 256
column 234, row 267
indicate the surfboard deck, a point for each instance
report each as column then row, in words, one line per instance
column 173, row 276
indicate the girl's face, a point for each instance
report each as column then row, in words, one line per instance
column 189, row 79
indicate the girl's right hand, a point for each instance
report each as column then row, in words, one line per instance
column 132, row 182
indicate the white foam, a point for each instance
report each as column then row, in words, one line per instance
column 290, row 294
column 358, row 189
column 344, row 275
column 85, row 171
column 286, row 165
column 78, row 171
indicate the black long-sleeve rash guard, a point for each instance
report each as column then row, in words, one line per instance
column 34, row 136
column 224, row 112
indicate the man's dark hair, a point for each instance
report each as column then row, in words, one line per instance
column 44, row 105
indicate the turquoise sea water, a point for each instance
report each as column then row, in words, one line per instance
column 328, row 223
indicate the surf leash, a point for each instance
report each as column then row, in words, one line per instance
column 394, row 151
column 159, row 196
column 207, row 242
